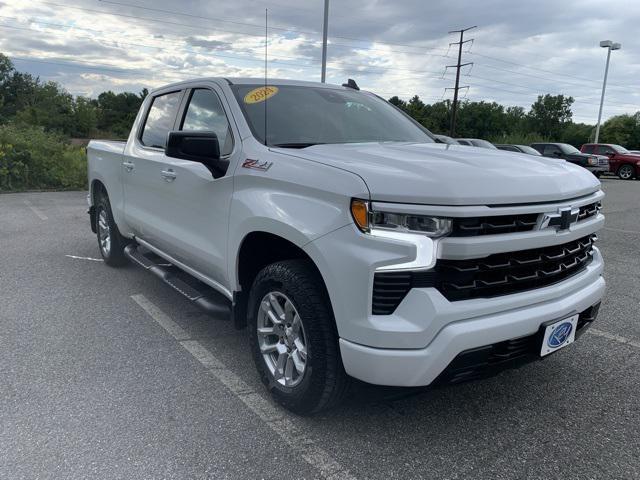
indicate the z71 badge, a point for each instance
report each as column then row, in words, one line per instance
column 257, row 164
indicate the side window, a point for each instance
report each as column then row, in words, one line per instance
column 551, row 150
column 205, row 112
column 509, row 148
column 160, row 120
column 604, row 150
column 588, row 149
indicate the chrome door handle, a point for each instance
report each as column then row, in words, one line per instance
column 168, row 175
column 128, row 165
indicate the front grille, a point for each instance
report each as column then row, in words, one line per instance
column 603, row 162
column 587, row 211
column 474, row 226
column 498, row 274
column 505, row 273
column 489, row 360
column 469, row 227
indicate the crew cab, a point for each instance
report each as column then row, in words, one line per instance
column 621, row 161
column 596, row 164
column 344, row 239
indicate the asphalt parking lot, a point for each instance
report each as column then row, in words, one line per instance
column 108, row 373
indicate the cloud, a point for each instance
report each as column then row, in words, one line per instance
column 393, row 47
column 207, row 43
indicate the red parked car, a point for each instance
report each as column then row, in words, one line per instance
column 621, row 161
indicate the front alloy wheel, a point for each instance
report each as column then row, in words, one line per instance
column 293, row 337
column 281, row 339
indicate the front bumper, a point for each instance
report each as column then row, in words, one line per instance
column 419, row 367
column 598, row 168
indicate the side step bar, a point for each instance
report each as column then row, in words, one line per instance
column 205, row 300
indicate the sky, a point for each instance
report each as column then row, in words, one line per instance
column 520, row 49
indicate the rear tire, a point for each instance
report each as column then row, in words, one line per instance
column 110, row 243
column 626, row 172
column 293, row 338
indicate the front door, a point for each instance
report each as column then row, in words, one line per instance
column 195, row 205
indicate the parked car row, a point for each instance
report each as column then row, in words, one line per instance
column 598, row 158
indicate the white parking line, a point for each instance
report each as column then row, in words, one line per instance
column 85, row 258
column 285, row 426
column 611, row 336
column 620, row 230
column 35, row 210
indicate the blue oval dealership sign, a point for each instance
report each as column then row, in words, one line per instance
column 560, row 335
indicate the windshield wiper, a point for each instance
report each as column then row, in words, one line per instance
column 296, row 144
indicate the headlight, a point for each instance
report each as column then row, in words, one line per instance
column 368, row 220
column 593, row 160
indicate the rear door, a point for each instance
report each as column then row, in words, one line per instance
column 145, row 186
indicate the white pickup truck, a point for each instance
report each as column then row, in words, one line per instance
column 345, row 238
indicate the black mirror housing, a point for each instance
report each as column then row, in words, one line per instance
column 200, row 147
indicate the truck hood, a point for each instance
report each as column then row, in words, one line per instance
column 440, row 174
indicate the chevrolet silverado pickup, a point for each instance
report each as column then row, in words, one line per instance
column 622, row 162
column 344, row 239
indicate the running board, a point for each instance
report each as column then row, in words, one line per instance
column 210, row 301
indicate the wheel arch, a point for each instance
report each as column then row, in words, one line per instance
column 256, row 250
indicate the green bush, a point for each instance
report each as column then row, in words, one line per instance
column 32, row 159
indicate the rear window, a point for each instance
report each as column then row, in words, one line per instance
column 588, row 148
column 160, row 120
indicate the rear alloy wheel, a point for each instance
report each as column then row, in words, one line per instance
column 110, row 242
column 625, row 172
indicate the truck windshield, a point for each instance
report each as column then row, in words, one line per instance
column 566, row 148
column 301, row 116
column 619, row 149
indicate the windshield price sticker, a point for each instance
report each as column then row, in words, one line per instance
column 260, row 94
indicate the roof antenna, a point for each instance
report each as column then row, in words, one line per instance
column 266, row 37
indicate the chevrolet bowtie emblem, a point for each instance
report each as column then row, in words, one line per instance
column 562, row 220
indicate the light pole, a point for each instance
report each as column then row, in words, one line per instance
column 609, row 45
column 325, row 27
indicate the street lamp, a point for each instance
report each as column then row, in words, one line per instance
column 609, row 45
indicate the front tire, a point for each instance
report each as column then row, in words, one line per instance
column 625, row 172
column 293, row 337
column 110, row 242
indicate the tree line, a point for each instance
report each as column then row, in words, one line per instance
column 548, row 119
column 26, row 100
column 38, row 119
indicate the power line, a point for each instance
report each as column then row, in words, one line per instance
column 254, row 25
column 208, row 29
column 337, row 65
column 543, row 70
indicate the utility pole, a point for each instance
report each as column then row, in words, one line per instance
column 325, row 27
column 459, row 65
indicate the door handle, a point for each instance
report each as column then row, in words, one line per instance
column 128, row 166
column 168, row 175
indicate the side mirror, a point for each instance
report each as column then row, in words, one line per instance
column 201, row 147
